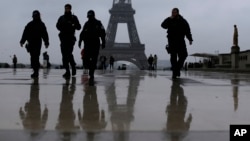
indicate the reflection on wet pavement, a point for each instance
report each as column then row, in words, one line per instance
column 177, row 126
column 32, row 116
column 122, row 106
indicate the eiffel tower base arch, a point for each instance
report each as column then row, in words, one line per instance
column 135, row 56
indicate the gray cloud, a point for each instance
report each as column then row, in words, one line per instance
column 211, row 22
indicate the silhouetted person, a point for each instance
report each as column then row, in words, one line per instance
column 177, row 29
column 67, row 24
column 150, row 62
column 91, row 33
column 33, row 118
column 103, row 60
column 111, row 62
column 92, row 120
column 34, row 32
column 176, row 124
column 66, row 119
column 14, row 60
column 155, row 62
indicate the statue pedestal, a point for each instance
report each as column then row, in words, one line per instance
column 235, row 50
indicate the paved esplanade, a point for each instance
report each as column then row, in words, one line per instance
column 122, row 106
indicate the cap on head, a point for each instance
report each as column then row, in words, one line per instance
column 36, row 14
column 176, row 10
column 68, row 6
column 91, row 13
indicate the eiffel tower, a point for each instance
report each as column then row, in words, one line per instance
column 134, row 51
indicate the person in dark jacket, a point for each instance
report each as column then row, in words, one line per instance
column 111, row 62
column 177, row 29
column 34, row 32
column 67, row 24
column 91, row 33
column 150, row 62
column 14, row 60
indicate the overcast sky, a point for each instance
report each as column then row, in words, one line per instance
column 211, row 23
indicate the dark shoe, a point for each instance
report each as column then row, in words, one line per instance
column 178, row 73
column 73, row 71
column 174, row 76
column 66, row 75
column 91, row 81
column 34, row 75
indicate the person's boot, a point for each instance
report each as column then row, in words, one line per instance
column 91, row 81
column 178, row 73
column 66, row 74
column 174, row 74
column 91, row 78
column 73, row 70
column 35, row 74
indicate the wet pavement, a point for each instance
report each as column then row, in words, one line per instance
column 124, row 105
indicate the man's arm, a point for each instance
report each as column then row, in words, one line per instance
column 24, row 36
column 77, row 24
column 80, row 39
column 103, row 35
column 59, row 24
column 45, row 36
column 164, row 24
column 188, row 32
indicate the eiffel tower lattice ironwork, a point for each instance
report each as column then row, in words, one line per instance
column 134, row 51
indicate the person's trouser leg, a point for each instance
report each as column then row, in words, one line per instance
column 67, row 57
column 92, row 65
column 182, row 55
column 91, row 70
column 34, row 59
column 86, row 61
column 90, row 59
column 173, row 60
column 72, row 63
column 71, row 58
column 35, row 62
